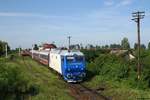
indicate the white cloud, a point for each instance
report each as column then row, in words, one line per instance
column 38, row 15
column 118, row 3
column 108, row 2
column 126, row 2
column 20, row 14
column 148, row 14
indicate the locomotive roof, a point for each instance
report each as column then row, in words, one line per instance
column 66, row 52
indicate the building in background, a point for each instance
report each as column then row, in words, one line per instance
column 47, row 46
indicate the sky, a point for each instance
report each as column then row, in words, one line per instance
column 97, row 22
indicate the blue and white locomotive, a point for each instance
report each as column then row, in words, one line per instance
column 70, row 64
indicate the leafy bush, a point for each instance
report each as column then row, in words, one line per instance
column 118, row 69
column 109, row 65
column 90, row 55
column 14, row 81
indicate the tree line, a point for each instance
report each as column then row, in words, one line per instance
column 123, row 45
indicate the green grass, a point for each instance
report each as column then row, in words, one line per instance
column 51, row 87
column 117, row 90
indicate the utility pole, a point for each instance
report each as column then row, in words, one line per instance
column 137, row 16
column 32, row 51
column 69, row 37
column 6, row 50
column 19, row 50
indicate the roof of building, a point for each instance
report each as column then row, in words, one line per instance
column 50, row 46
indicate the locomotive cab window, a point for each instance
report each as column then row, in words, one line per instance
column 70, row 59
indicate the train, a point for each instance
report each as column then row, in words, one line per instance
column 70, row 64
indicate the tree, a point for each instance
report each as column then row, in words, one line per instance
column 81, row 46
column 103, row 47
column 143, row 46
column 106, row 46
column 3, row 47
column 149, row 46
column 36, row 47
column 135, row 45
column 89, row 46
column 115, row 46
column 125, row 43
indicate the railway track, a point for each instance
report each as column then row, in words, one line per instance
column 78, row 91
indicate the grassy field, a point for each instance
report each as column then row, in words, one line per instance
column 50, row 86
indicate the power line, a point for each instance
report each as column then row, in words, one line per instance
column 137, row 16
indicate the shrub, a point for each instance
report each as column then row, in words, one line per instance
column 118, row 69
column 90, row 55
column 14, row 81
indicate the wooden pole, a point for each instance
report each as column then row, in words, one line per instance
column 137, row 16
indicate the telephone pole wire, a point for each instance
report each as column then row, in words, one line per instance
column 137, row 16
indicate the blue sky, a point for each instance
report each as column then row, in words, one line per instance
column 97, row 22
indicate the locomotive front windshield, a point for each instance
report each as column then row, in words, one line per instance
column 70, row 59
column 74, row 59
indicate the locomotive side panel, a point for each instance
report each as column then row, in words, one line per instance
column 55, row 62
